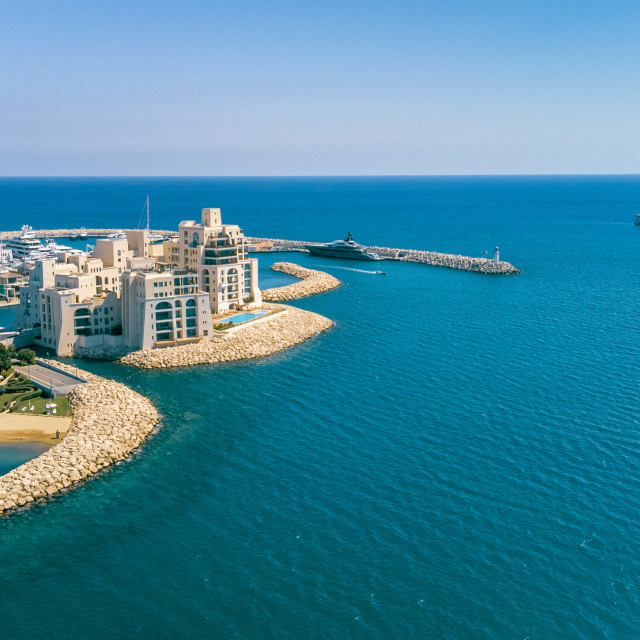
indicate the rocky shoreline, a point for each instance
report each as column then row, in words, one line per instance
column 255, row 340
column 110, row 421
column 311, row 282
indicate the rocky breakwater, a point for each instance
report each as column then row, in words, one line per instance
column 463, row 263
column 110, row 420
column 285, row 328
column 449, row 260
column 311, row 282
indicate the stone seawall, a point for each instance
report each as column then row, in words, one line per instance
column 449, row 260
column 255, row 340
column 311, row 282
column 110, row 420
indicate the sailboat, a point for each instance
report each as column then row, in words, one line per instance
column 153, row 237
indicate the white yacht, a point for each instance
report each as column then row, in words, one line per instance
column 53, row 247
column 23, row 244
column 78, row 235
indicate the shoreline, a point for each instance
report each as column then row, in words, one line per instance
column 267, row 336
column 110, row 421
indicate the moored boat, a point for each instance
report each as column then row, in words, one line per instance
column 348, row 249
column 24, row 243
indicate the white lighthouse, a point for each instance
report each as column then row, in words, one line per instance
column 496, row 255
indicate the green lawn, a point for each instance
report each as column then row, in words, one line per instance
column 38, row 404
column 62, row 408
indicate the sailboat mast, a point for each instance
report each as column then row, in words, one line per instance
column 147, row 213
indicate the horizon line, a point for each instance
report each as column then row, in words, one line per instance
column 349, row 175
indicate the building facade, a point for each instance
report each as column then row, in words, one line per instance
column 164, row 308
column 132, row 294
column 218, row 254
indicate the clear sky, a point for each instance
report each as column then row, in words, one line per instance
column 296, row 87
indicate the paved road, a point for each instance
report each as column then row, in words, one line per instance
column 47, row 378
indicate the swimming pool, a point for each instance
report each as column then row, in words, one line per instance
column 245, row 317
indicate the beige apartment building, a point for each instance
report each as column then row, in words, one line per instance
column 132, row 294
column 218, row 254
column 163, row 308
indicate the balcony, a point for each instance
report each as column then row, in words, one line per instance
column 220, row 261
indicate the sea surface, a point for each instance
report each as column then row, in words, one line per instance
column 459, row 457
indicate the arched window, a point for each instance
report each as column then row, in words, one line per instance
column 191, row 302
column 78, row 313
column 178, row 303
column 163, row 305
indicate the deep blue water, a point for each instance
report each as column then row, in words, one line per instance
column 458, row 458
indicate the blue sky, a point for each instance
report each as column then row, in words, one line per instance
column 318, row 88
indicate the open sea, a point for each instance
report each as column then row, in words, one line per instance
column 458, row 458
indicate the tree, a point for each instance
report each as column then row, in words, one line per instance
column 5, row 358
column 26, row 356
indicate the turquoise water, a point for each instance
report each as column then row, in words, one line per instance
column 244, row 317
column 457, row 458
column 6, row 316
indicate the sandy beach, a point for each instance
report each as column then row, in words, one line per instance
column 21, row 428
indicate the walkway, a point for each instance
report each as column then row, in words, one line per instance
column 52, row 380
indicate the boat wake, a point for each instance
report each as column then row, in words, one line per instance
column 326, row 266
